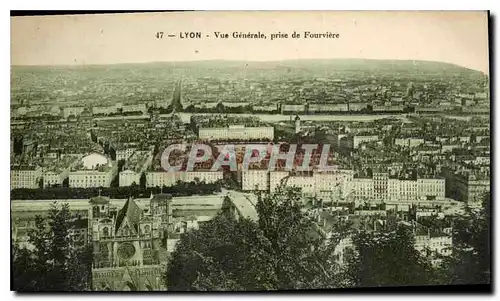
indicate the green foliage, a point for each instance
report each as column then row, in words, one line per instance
column 284, row 250
column 298, row 248
column 53, row 264
column 57, row 193
column 224, row 254
column 388, row 259
column 470, row 262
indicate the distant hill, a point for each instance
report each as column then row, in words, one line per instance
column 412, row 66
column 386, row 65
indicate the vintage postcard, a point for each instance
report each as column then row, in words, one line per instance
column 250, row 151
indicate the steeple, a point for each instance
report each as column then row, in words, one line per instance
column 297, row 124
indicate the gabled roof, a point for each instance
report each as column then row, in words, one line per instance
column 132, row 212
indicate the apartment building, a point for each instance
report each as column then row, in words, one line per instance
column 239, row 132
column 24, row 178
column 167, row 179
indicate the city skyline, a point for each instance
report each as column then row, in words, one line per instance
column 459, row 38
column 214, row 164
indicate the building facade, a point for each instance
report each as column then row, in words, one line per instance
column 167, row 179
column 51, row 178
column 24, row 178
column 471, row 189
column 238, row 132
column 255, row 180
column 128, row 177
column 126, row 245
column 90, row 178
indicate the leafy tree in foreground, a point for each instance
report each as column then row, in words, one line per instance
column 286, row 250
column 283, row 250
column 302, row 256
column 470, row 261
column 388, row 259
column 53, row 264
column 224, row 254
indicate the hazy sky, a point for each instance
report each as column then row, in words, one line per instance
column 454, row 37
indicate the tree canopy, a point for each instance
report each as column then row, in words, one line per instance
column 470, row 262
column 388, row 259
column 285, row 249
column 53, row 263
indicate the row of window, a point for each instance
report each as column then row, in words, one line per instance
column 22, row 172
column 95, row 177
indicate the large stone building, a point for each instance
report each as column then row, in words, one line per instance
column 24, row 178
column 51, row 178
column 471, row 188
column 167, row 179
column 94, row 170
column 134, row 168
column 382, row 188
column 127, row 244
column 255, row 180
column 466, row 185
column 324, row 184
column 343, row 185
column 239, row 132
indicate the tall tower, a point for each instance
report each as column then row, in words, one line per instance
column 161, row 210
column 297, row 124
column 101, row 217
column 176, row 97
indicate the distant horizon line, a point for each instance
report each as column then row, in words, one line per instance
column 245, row 61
